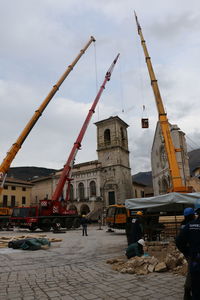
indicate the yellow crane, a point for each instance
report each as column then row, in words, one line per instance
column 177, row 184
column 5, row 165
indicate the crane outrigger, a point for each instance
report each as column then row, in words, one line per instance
column 177, row 184
column 5, row 165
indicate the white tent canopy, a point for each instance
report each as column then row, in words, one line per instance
column 192, row 199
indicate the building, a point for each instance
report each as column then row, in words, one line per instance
column 98, row 183
column 15, row 193
column 160, row 167
column 113, row 155
column 138, row 189
column 85, row 192
column 196, row 172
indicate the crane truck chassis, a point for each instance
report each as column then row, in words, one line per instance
column 49, row 214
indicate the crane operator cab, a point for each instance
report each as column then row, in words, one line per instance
column 145, row 123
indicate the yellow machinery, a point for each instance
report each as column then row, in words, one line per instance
column 116, row 216
column 5, row 165
column 176, row 180
column 5, row 213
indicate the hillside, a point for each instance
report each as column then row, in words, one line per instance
column 143, row 177
column 194, row 160
column 28, row 173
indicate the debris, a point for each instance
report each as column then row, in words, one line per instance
column 163, row 256
column 161, row 267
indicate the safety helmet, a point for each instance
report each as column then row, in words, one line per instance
column 141, row 242
column 139, row 213
column 188, row 211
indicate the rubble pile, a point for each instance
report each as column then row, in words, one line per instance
column 162, row 257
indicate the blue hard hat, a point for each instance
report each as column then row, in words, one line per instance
column 188, row 211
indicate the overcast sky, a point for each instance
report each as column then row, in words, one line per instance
column 40, row 38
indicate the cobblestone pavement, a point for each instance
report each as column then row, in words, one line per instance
column 76, row 269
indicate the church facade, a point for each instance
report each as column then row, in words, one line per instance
column 159, row 162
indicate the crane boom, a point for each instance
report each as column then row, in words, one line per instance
column 65, row 175
column 177, row 184
column 5, row 165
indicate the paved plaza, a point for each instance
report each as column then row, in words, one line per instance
column 76, row 269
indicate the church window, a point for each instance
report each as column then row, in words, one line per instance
column 71, row 192
column 92, row 188
column 81, row 190
column 107, row 136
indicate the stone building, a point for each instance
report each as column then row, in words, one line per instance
column 98, row 183
column 16, row 192
column 113, row 155
column 138, row 189
column 159, row 162
column 85, row 193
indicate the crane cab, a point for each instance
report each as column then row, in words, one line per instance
column 145, row 122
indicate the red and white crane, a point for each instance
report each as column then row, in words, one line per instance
column 66, row 173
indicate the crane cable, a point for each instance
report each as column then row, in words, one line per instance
column 194, row 143
column 141, row 81
column 96, row 75
column 121, row 86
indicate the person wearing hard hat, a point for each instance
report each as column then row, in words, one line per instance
column 136, row 228
column 188, row 242
column 189, row 216
column 135, row 249
column 84, row 223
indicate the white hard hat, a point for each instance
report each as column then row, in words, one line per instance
column 141, row 242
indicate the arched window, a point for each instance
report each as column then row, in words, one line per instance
column 71, row 192
column 84, row 210
column 159, row 186
column 92, row 188
column 165, row 185
column 81, row 191
column 122, row 133
column 107, row 136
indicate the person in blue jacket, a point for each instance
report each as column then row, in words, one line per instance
column 189, row 216
column 188, row 242
column 84, row 223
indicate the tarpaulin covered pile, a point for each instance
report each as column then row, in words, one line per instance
column 162, row 201
column 30, row 244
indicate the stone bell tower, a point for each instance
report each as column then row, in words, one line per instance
column 113, row 154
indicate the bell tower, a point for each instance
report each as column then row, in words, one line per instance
column 113, row 154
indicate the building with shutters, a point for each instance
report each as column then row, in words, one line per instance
column 16, row 192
